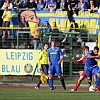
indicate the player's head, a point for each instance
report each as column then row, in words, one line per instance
column 6, row 8
column 96, row 50
column 86, row 49
column 46, row 46
column 53, row 43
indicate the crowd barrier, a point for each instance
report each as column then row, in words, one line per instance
column 23, row 61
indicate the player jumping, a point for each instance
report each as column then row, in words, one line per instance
column 55, row 57
column 83, row 73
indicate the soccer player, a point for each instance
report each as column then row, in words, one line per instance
column 83, row 73
column 91, row 66
column 55, row 57
column 43, row 62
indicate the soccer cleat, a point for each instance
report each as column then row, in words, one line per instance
column 51, row 88
column 36, row 87
column 54, row 87
column 72, row 90
column 64, row 88
column 98, row 90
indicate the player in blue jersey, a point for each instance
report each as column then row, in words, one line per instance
column 91, row 66
column 55, row 57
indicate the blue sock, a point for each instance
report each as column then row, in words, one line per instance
column 97, row 82
column 51, row 83
column 63, row 83
column 89, row 83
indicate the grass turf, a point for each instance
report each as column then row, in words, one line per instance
column 43, row 94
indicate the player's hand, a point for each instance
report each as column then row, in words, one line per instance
column 59, row 62
column 72, row 57
column 40, row 68
column 4, row 15
column 49, row 63
column 98, row 56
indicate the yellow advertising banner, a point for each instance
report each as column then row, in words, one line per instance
column 18, row 62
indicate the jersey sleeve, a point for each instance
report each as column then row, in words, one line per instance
column 39, row 59
column 80, row 60
column 90, row 52
column 60, row 52
column 49, row 53
column 55, row 3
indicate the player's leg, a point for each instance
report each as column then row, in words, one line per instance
column 45, row 70
column 94, row 78
column 59, row 73
column 62, row 82
column 84, row 75
column 51, row 72
column 99, row 87
column 38, row 85
column 90, row 80
column 81, row 78
column 79, row 82
column 89, row 76
column 96, row 71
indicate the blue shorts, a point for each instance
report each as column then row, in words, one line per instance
column 55, row 68
column 90, row 71
column 95, row 70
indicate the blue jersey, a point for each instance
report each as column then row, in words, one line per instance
column 90, row 62
column 54, row 54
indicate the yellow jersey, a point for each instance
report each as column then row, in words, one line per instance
column 7, row 15
column 36, row 33
column 43, row 58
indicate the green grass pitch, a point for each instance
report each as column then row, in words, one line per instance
column 44, row 94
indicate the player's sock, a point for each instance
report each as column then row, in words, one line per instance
column 51, row 83
column 48, row 81
column 76, row 86
column 99, row 87
column 63, row 83
column 89, row 84
column 97, row 82
column 38, row 85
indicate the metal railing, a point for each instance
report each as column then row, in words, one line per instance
column 73, row 48
column 70, row 69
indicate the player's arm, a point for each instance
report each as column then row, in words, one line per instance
column 74, row 60
column 61, row 56
column 49, row 58
column 49, row 61
column 95, row 57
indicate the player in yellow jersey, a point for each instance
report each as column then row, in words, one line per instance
column 43, row 62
